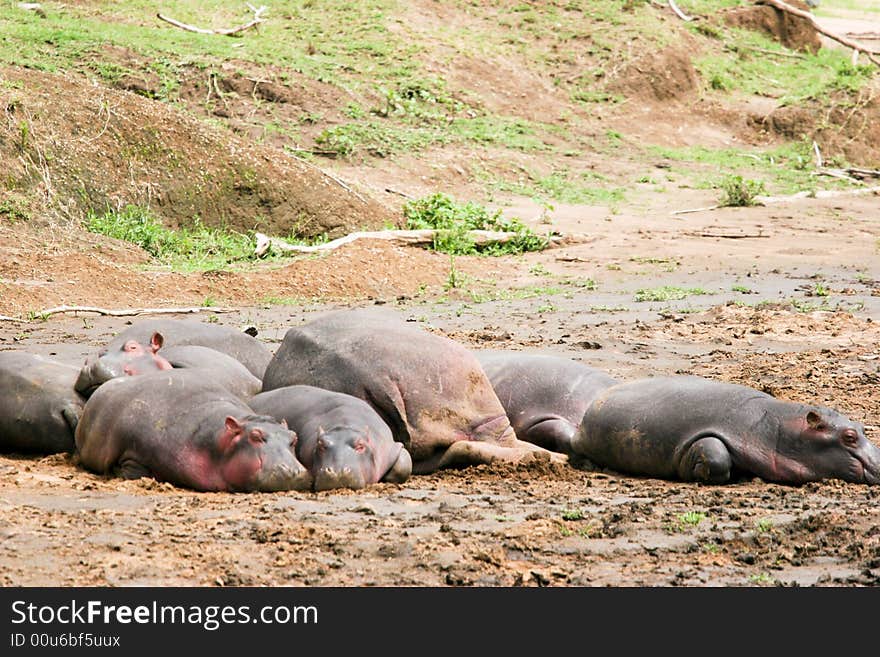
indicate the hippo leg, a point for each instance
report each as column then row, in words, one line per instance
column 554, row 434
column 400, row 470
column 131, row 469
column 706, row 460
column 470, row 452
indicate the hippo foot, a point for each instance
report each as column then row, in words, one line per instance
column 466, row 453
column 707, row 460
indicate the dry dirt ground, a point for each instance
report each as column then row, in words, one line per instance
column 812, row 262
column 784, row 298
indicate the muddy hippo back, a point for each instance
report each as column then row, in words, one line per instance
column 428, row 389
column 39, row 409
column 544, row 396
column 696, row 429
column 244, row 348
column 178, row 427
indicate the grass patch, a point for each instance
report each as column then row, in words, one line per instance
column 454, row 220
column 667, row 293
column 196, row 247
column 739, row 192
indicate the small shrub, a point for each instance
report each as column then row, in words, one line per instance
column 739, row 192
column 453, row 221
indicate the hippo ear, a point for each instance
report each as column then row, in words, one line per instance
column 156, row 341
column 233, row 430
column 401, row 470
column 814, row 420
column 283, row 423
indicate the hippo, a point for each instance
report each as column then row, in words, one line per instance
column 544, row 396
column 39, row 409
column 178, row 427
column 430, row 390
column 133, row 359
column 127, row 359
column 342, row 441
column 697, row 429
column 242, row 346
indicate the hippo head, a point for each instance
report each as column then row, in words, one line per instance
column 257, row 453
column 131, row 359
column 820, row 443
column 345, row 457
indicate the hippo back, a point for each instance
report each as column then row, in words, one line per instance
column 244, row 348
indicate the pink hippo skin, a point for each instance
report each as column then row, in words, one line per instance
column 175, row 426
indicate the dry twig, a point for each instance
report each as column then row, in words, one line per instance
column 426, row 236
column 258, row 18
column 125, row 312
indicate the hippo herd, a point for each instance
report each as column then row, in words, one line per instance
column 361, row 396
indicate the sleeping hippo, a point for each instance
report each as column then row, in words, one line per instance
column 696, row 429
column 428, row 389
column 244, row 348
column 133, row 359
column 127, row 359
column 342, row 441
column 178, row 427
column 545, row 396
column 39, row 409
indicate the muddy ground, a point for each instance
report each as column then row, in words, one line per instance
column 790, row 306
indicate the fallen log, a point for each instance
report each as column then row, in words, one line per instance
column 404, row 237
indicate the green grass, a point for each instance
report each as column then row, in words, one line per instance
column 454, row 220
column 740, row 192
column 747, row 68
column 565, row 187
column 786, row 169
column 667, row 293
column 191, row 248
column 572, row 514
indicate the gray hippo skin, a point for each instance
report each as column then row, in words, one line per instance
column 127, row 359
column 133, row 359
column 177, row 427
column 545, row 396
column 244, row 348
column 39, row 409
column 696, row 429
column 428, row 389
column 341, row 440
column 216, row 367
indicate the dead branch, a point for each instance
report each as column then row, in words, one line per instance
column 258, row 18
column 708, row 207
column 405, row 237
column 825, row 193
column 125, row 312
column 678, row 12
column 836, row 173
column 857, row 172
column 849, row 43
column 728, row 236
column 818, row 154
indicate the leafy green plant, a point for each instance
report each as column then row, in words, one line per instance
column 572, row 514
column 453, row 221
column 195, row 247
column 740, row 192
column 667, row 293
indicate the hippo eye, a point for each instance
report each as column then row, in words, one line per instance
column 257, row 436
column 850, row 438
